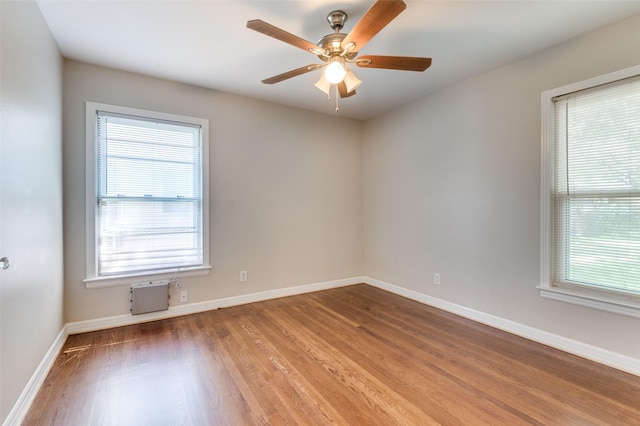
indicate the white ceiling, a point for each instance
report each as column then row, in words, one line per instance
column 206, row 43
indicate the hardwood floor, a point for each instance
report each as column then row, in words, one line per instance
column 350, row 356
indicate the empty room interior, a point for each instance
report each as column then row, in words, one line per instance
column 199, row 225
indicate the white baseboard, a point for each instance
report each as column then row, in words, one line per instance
column 593, row 353
column 21, row 407
column 612, row 359
column 193, row 308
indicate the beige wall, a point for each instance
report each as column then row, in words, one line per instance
column 448, row 184
column 31, row 196
column 285, row 192
column 452, row 185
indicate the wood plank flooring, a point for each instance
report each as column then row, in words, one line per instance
column 355, row 355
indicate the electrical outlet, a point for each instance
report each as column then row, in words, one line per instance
column 183, row 296
column 243, row 276
column 436, row 278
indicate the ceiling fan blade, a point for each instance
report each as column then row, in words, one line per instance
column 275, row 32
column 381, row 13
column 293, row 73
column 405, row 63
column 342, row 89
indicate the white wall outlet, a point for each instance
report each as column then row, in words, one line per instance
column 436, row 278
column 183, row 296
column 243, row 276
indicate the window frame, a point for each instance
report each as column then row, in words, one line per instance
column 92, row 280
column 606, row 300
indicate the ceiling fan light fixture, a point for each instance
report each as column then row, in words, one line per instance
column 336, row 50
column 351, row 81
column 335, row 72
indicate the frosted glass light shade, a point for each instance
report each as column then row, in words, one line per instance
column 323, row 84
column 351, row 81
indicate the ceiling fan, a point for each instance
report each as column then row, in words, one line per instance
column 337, row 50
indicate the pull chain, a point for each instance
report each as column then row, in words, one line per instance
column 337, row 98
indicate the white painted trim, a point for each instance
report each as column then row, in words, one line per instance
column 91, row 117
column 546, row 190
column 612, row 359
column 128, row 280
column 596, row 301
column 22, row 405
column 20, row 409
column 193, row 308
column 593, row 353
column 586, row 297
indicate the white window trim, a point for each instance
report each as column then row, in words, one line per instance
column 596, row 299
column 92, row 280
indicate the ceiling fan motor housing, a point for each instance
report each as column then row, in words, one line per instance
column 331, row 44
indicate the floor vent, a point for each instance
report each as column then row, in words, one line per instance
column 150, row 297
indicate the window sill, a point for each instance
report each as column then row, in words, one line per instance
column 127, row 280
column 592, row 300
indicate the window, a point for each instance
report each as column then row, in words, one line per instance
column 591, row 193
column 146, row 194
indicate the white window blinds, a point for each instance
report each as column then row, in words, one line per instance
column 149, row 195
column 597, row 188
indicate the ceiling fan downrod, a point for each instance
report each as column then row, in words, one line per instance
column 336, row 19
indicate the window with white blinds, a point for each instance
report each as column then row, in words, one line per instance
column 596, row 188
column 149, row 199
